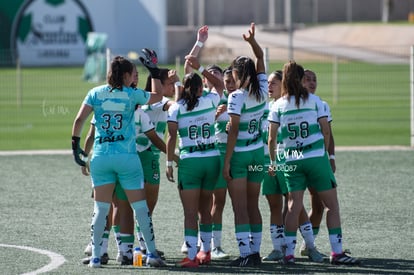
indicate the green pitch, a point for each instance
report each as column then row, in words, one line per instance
column 369, row 103
column 46, row 205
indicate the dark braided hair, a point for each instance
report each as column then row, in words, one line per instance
column 292, row 82
column 119, row 66
column 192, row 84
column 246, row 71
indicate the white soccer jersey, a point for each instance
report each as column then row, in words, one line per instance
column 251, row 115
column 158, row 117
column 196, row 127
column 300, row 131
column 142, row 126
column 327, row 110
column 265, row 127
column 221, row 122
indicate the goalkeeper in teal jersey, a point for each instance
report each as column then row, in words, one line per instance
column 114, row 153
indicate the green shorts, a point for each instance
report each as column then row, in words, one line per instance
column 151, row 165
column 248, row 165
column 221, row 182
column 120, row 192
column 272, row 185
column 198, row 173
column 312, row 172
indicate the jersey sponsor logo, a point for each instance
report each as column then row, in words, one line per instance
column 201, row 147
column 111, row 139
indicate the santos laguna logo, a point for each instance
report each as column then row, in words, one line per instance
column 51, row 32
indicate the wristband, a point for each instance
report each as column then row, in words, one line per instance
column 178, row 84
column 331, row 156
column 273, row 162
column 200, row 44
column 201, row 69
column 169, row 163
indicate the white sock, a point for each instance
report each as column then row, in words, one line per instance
column 255, row 241
column 101, row 210
column 307, row 234
column 243, row 241
column 277, row 235
column 143, row 217
column 216, row 239
column 191, row 243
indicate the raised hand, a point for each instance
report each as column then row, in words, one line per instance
column 150, row 60
column 202, row 34
column 250, row 37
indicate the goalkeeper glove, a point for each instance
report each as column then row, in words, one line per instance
column 150, row 60
column 77, row 151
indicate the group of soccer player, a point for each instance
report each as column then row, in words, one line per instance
column 235, row 130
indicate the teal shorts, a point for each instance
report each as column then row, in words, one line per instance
column 125, row 168
column 198, row 173
column 248, row 165
column 151, row 166
column 312, row 172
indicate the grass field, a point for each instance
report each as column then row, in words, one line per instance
column 369, row 103
column 46, row 205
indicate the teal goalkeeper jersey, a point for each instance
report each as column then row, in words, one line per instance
column 114, row 118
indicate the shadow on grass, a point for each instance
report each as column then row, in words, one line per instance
column 302, row 266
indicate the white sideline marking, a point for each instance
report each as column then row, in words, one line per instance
column 337, row 148
column 56, row 259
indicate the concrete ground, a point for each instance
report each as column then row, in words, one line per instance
column 374, row 43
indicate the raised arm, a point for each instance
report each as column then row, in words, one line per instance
column 257, row 50
column 150, row 60
column 195, row 64
column 202, row 36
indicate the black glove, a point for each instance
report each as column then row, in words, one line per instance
column 77, row 151
column 150, row 61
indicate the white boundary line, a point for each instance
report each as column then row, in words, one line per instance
column 56, row 259
column 337, row 148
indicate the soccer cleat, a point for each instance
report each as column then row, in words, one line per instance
column 203, row 257
column 144, row 254
column 275, row 255
column 126, row 261
column 315, row 256
column 95, row 263
column 255, row 258
column 287, row 260
column 104, row 259
column 242, row 261
column 186, row 262
column 88, row 250
column 305, row 252
column 218, row 253
column 155, row 261
column 343, row 259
